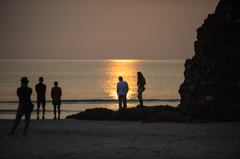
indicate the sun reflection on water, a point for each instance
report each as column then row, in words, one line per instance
column 125, row 68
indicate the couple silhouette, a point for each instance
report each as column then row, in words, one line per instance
column 122, row 90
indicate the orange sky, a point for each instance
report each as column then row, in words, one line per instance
column 101, row 29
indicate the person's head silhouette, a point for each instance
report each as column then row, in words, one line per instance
column 24, row 80
column 40, row 79
column 120, row 78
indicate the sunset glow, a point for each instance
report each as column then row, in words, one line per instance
column 128, row 71
column 106, row 29
column 123, row 60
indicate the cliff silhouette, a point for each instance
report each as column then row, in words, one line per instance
column 211, row 89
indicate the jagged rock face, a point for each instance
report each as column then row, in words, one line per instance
column 211, row 89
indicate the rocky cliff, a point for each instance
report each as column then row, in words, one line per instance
column 211, row 89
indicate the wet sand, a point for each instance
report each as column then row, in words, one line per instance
column 120, row 140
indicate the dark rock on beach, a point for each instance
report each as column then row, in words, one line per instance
column 145, row 114
column 211, row 89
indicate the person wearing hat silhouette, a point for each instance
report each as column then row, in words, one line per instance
column 24, row 94
column 41, row 91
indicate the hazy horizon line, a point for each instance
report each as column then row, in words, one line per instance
column 92, row 59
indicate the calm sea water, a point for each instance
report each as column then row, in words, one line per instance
column 90, row 83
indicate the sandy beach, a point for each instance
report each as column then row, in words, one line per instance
column 120, row 139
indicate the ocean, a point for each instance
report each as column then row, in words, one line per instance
column 90, row 83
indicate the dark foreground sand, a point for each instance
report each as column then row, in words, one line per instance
column 59, row 139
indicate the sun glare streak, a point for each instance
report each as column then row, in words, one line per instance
column 123, row 60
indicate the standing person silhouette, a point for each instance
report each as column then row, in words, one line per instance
column 24, row 94
column 122, row 90
column 56, row 94
column 140, row 83
column 41, row 91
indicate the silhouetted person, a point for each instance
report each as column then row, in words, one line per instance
column 24, row 94
column 56, row 94
column 122, row 90
column 41, row 91
column 141, row 83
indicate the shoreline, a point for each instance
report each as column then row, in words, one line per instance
column 8, row 111
column 120, row 139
